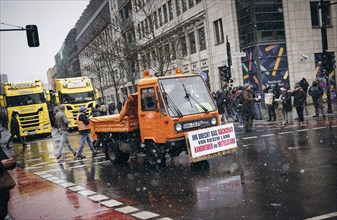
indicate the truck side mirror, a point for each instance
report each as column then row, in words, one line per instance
column 96, row 94
column 47, row 95
column 57, row 99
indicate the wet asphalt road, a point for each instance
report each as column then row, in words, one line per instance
column 279, row 172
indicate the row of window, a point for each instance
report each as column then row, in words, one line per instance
column 163, row 15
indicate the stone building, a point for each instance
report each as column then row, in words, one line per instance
column 271, row 41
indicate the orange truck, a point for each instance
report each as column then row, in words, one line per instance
column 155, row 120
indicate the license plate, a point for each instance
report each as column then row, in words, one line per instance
column 191, row 125
column 31, row 132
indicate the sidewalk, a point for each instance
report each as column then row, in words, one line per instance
column 36, row 198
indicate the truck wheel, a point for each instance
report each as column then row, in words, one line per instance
column 114, row 154
column 153, row 155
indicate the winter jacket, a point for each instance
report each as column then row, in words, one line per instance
column 299, row 97
column 286, row 101
column 15, row 127
column 61, row 121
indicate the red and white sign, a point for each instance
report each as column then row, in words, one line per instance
column 211, row 140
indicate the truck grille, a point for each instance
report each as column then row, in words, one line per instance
column 29, row 121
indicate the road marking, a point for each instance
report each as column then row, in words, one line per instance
column 111, row 203
column 145, row 215
column 86, row 192
column 334, row 126
column 326, row 216
column 318, row 128
column 127, row 209
column 267, row 135
column 307, row 129
column 286, row 132
column 252, row 137
column 76, row 188
column 97, row 198
column 67, row 184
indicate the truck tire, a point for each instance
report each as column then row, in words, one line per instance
column 114, row 154
column 153, row 155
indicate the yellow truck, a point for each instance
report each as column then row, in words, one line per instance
column 167, row 116
column 74, row 93
column 30, row 100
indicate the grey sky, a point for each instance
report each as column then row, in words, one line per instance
column 54, row 20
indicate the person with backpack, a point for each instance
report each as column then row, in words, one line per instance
column 316, row 92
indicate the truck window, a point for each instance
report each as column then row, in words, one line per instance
column 25, row 99
column 148, row 99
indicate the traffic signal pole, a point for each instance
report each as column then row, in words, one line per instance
column 229, row 59
column 325, row 69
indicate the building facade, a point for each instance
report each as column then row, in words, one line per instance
column 271, row 41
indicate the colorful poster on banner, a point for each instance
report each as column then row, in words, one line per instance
column 211, row 140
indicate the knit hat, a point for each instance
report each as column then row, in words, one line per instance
column 62, row 107
column 82, row 108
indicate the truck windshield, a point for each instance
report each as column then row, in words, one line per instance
column 80, row 97
column 188, row 94
column 25, row 99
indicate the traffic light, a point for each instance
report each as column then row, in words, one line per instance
column 32, row 36
column 332, row 62
column 225, row 73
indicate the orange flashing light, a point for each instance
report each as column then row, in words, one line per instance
column 146, row 74
column 178, row 71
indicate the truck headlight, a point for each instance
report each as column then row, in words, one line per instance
column 213, row 121
column 178, row 127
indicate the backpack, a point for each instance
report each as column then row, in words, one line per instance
column 315, row 93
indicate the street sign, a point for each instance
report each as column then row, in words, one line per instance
column 238, row 55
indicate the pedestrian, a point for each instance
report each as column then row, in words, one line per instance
column 304, row 85
column 287, row 105
column 5, row 164
column 220, row 101
column 62, row 122
column 257, row 104
column 103, row 109
column 238, row 102
column 271, row 105
column 84, row 130
column 97, row 111
column 299, row 102
column 248, row 107
column 111, row 108
column 316, row 92
column 119, row 106
column 15, row 130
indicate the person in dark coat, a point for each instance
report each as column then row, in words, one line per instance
column 15, row 130
column 287, row 105
column 304, row 85
column 248, row 107
column 5, row 164
column 316, row 92
column 299, row 101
